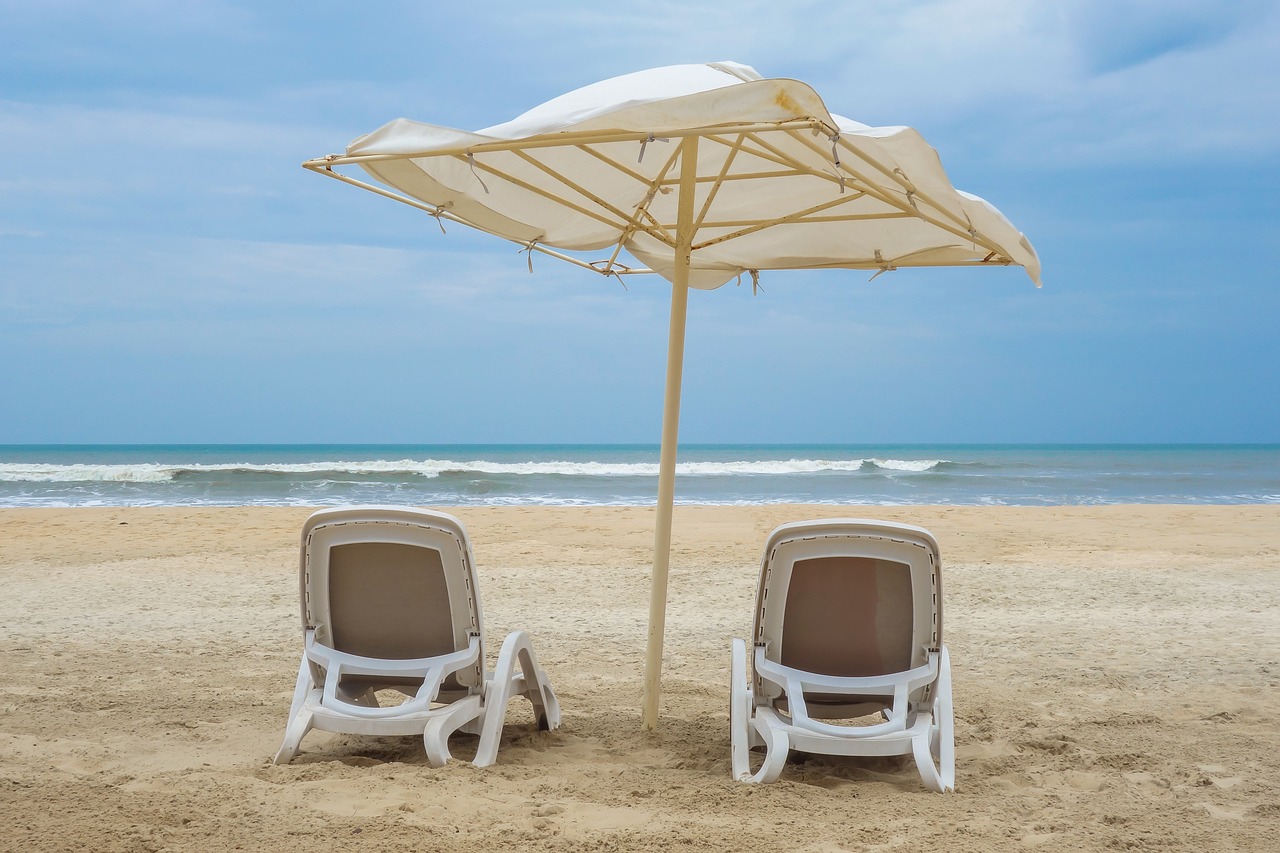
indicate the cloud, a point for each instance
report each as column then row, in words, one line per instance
column 91, row 133
column 1111, row 36
column 1039, row 84
column 1143, row 98
column 106, row 280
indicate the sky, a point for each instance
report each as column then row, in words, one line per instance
column 169, row 273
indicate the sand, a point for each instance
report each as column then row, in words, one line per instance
column 1116, row 678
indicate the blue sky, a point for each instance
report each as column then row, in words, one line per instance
column 168, row 273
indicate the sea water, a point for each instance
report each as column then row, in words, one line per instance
column 608, row 475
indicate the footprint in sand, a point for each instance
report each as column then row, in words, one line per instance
column 1227, row 812
column 1148, row 784
column 1082, row 780
column 1215, row 775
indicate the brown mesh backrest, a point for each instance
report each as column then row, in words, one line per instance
column 389, row 601
column 848, row 616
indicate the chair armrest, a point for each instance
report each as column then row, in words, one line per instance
column 796, row 681
column 432, row 671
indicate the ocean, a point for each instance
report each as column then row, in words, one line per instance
column 621, row 475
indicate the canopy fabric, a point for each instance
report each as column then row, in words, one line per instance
column 782, row 182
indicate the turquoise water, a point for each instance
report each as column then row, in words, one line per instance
column 567, row 475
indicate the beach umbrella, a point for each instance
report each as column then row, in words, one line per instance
column 700, row 174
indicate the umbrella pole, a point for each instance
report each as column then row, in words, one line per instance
column 670, row 430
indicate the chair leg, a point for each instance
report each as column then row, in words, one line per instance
column 443, row 723
column 935, row 749
column 920, row 748
column 777, row 747
column 299, row 720
column 946, row 723
column 749, row 728
column 546, row 705
column 293, row 735
column 532, row 683
column 740, row 702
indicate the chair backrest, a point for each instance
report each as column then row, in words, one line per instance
column 849, row 597
column 390, row 583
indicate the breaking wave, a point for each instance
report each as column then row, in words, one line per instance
column 32, row 472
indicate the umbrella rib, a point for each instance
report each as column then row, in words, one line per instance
column 890, row 263
column 866, row 185
column 651, row 184
column 772, row 154
column 654, row 186
column 719, row 182
column 642, row 209
column 571, row 184
column 796, row 217
column 754, row 176
column 589, row 137
column 536, row 190
column 818, row 220
column 322, row 168
column 873, row 190
column 908, row 206
column 558, row 140
column 900, row 177
column 609, row 161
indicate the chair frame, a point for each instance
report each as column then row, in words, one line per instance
column 475, row 702
column 768, row 706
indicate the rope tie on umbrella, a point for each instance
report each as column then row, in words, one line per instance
column 611, row 270
column 756, row 289
column 528, row 250
column 644, row 143
column 911, row 188
column 471, row 161
column 438, row 213
column 835, row 159
column 643, row 204
column 885, row 266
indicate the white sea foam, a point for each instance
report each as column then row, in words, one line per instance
column 32, row 472
column 912, row 465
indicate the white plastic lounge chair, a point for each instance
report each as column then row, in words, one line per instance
column 390, row 602
column 848, row 624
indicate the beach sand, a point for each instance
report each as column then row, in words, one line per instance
column 1115, row 672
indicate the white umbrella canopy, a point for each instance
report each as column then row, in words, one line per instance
column 700, row 173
